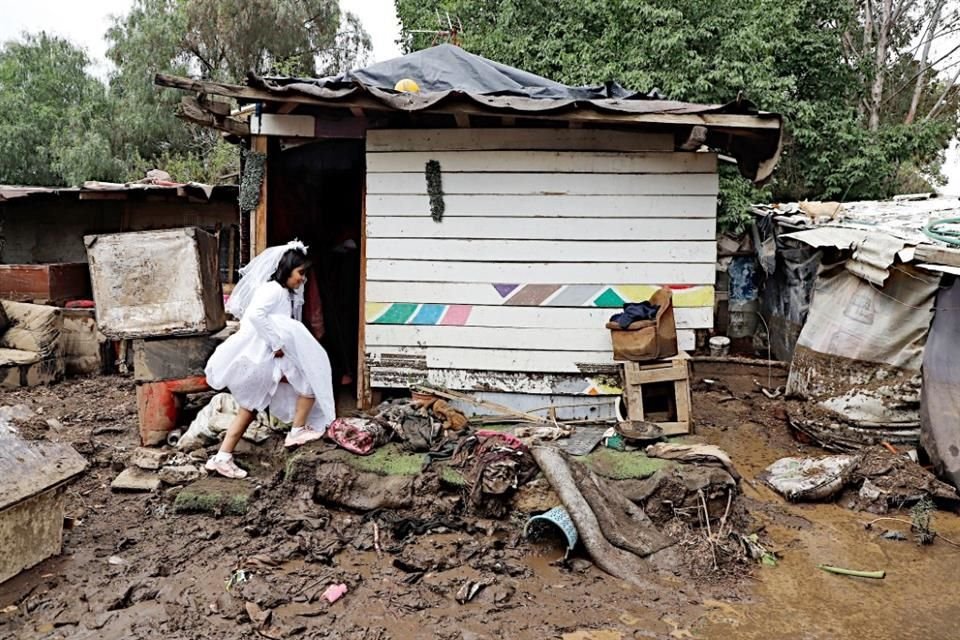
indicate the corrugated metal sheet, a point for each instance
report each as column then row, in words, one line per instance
column 191, row 189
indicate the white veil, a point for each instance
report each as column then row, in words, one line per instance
column 258, row 271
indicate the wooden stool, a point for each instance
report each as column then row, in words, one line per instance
column 640, row 377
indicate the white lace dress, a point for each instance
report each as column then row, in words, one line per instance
column 245, row 363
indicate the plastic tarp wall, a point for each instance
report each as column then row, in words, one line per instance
column 789, row 275
column 860, row 351
column 940, row 398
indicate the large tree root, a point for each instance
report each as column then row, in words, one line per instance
column 615, row 561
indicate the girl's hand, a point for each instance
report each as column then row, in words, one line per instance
column 278, row 353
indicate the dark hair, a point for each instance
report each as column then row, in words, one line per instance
column 292, row 259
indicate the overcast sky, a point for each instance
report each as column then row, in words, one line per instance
column 84, row 23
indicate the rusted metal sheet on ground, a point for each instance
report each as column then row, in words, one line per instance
column 156, row 283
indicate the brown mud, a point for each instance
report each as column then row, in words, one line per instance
column 132, row 567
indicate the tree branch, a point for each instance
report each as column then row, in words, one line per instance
column 928, row 37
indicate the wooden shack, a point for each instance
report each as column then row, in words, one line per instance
column 495, row 231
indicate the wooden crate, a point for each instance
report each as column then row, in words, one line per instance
column 44, row 283
column 675, row 370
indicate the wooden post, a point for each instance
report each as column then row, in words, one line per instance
column 364, row 392
column 259, row 145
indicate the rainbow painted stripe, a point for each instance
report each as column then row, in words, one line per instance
column 534, row 295
column 455, row 315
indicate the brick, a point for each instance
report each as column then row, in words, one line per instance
column 149, row 459
column 181, row 474
column 134, row 479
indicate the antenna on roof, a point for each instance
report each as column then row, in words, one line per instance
column 449, row 29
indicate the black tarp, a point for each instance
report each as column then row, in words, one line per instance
column 940, row 395
column 790, row 273
column 450, row 68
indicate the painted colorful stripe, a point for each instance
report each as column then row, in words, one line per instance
column 606, row 296
column 455, row 315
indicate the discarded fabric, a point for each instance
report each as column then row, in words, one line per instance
column 808, row 478
column 358, row 435
column 694, row 453
column 635, row 312
column 215, row 418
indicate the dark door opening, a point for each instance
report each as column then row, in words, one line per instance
column 315, row 193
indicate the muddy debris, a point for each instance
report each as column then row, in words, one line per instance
column 262, row 571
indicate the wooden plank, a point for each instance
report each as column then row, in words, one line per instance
column 534, row 229
column 542, row 250
column 543, row 162
column 532, row 317
column 515, row 139
column 490, row 359
column 260, row 144
column 552, row 317
column 500, row 360
column 499, row 381
column 251, row 94
column 364, row 390
column 463, row 120
column 548, row 206
column 666, row 374
column 536, row 338
column 539, row 272
column 274, row 124
column 684, row 404
column 471, row 293
column 934, row 255
column 560, row 407
column 549, row 184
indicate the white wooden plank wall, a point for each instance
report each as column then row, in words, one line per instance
column 567, row 208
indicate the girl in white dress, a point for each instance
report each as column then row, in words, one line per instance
column 272, row 361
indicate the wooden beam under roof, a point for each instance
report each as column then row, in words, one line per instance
column 191, row 110
column 718, row 120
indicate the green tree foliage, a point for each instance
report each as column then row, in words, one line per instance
column 48, row 101
column 796, row 58
column 60, row 125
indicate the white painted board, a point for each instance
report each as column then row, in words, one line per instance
column 412, row 140
column 475, row 293
column 548, row 183
column 542, row 162
column 548, row 318
column 541, row 250
column 547, row 206
column 539, row 272
column 505, row 360
column 538, row 229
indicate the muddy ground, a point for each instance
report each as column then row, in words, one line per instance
column 133, row 568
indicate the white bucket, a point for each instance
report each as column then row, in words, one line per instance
column 719, row 346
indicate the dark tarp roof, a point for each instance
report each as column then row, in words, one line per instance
column 454, row 80
column 449, row 68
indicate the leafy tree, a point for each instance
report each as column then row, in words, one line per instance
column 53, row 115
column 219, row 40
column 852, row 129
